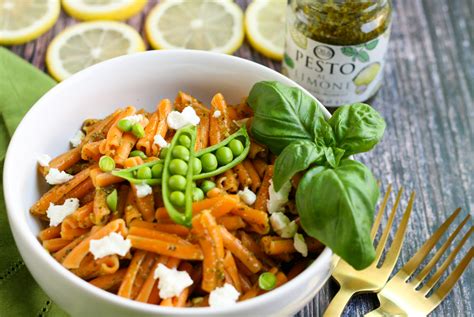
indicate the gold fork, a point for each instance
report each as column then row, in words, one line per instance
column 373, row 278
column 404, row 297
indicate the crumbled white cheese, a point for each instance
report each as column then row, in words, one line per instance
column 136, row 118
column 300, row 244
column 223, row 296
column 57, row 213
column 176, row 120
column 43, row 159
column 114, row 243
column 55, row 177
column 77, row 138
column 143, row 190
column 277, row 200
column 160, row 141
column 216, row 114
column 282, row 225
column 171, row 281
column 247, row 196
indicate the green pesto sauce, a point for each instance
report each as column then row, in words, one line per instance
column 349, row 22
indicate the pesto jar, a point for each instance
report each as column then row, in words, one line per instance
column 336, row 48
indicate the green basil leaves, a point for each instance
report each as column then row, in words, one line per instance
column 336, row 197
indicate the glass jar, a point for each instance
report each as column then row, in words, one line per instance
column 336, row 48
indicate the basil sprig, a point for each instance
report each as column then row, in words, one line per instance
column 336, row 197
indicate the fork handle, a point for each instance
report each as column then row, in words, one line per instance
column 339, row 302
column 376, row 313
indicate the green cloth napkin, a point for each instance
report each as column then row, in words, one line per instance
column 21, row 85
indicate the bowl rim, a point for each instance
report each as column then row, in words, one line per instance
column 24, row 232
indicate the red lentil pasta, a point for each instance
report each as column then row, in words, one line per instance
column 233, row 238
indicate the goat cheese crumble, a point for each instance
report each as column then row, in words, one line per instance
column 216, row 114
column 160, row 141
column 171, row 281
column 300, row 244
column 77, row 138
column 43, row 159
column 223, row 296
column 55, row 177
column 277, row 200
column 176, row 120
column 143, row 190
column 57, row 213
column 136, row 118
column 282, row 225
column 114, row 243
column 247, row 196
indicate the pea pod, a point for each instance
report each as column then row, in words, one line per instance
column 129, row 174
column 177, row 194
column 240, row 135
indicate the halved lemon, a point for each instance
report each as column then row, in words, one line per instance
column 25, row 20
column 265, row 26
column 199, row 24
column 103, row 9
column 88, row 43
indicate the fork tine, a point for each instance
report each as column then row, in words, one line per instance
column 432, row 281
column 426, row 270
column 378, row 218
column 419, row 256
column 394, row 250
column 448, row 284
column 383, row 239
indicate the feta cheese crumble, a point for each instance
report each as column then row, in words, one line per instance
column 247, row 196
column 57, row 213
column 160, row 141
column 136, row 118
column 56, row 177
column 43, row 159
column 171, row 281
column 216, row 114
column 77, row 138
column 223, row 296
column 277, row 200
column 114, row 243
column 176, row 120
column 143, row 190
column 282, row 225
column 300, row 244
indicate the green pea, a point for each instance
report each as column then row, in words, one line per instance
column 178, row 166
column 138, row 153
column 209, row 162
column 267, row 281
column 207, row 186
column 138, row 130
column 125, row 125
column 236, row 147
column 177, row 182
column 163, row 153
column 177, row 198
column 180, row 152
column 144, row 172
column 198, row 194
column 224, row 155
column 197, row 165
column 111, row 200
column 106, row 163
column 157, row 170
column 184, row 140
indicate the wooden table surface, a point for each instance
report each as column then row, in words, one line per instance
column 427, row 101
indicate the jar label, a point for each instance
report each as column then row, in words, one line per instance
column 335, row 75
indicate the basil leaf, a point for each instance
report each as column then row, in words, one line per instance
column 296, row 157
column 336, row 206
column 324, row 133
column 282, row 115
column 357, row 128
column 333, row 156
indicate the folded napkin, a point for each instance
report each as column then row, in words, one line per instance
column 21, row 85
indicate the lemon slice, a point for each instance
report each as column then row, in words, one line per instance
column 265, row 27
column 88, row 43
column 24, row 20
column 103, row 9
column 199, row 24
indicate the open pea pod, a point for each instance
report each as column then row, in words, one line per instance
column 129, row 174
column 240, row 135
column 177, row 196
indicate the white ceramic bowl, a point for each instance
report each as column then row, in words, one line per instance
column 140, row 80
